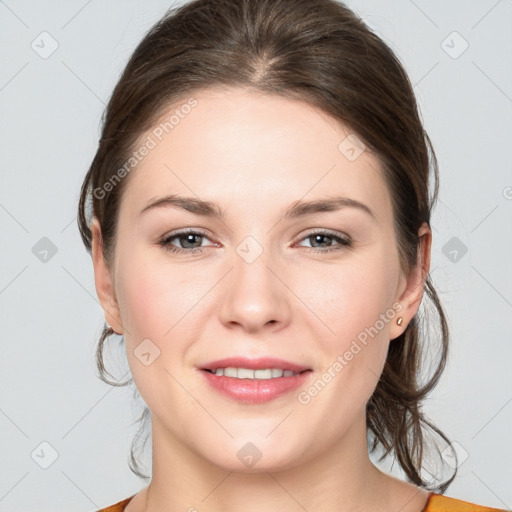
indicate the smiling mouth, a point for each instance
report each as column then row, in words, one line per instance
column 248, row 373
column 254, row 386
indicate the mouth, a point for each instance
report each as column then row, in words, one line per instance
column 248, row 373
column 254, row 381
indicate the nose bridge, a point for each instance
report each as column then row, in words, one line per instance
column 255, row 296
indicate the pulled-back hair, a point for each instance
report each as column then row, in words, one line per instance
column 320, row 52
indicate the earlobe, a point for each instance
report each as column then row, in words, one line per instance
column 411, row 296
column 103, row 280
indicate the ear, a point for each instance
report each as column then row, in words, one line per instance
column 412, row 286
column 103, row 280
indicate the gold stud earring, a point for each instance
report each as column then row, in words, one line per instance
column 400, row 320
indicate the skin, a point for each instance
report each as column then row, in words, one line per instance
column 256, row 154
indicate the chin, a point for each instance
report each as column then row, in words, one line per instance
column 246, row 454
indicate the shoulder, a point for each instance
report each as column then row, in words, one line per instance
column 118, row 507
column 440, row 503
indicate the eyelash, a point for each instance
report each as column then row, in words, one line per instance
column 344, row 242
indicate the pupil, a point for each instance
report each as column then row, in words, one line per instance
column 190, row 237
column 318, row 237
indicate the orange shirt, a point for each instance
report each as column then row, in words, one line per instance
column 435, row 503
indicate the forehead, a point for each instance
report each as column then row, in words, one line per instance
column 260, row 150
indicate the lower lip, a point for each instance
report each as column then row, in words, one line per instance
column 255, row 391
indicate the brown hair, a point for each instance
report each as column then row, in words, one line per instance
column 320, row 52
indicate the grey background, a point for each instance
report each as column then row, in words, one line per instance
column 49, row 313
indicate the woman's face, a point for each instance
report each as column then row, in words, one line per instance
column 319, row 289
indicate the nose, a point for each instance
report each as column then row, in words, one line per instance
column 254, row 296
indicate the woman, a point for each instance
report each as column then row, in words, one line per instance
column 260, row 235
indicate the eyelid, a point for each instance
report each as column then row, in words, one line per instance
column 343, row 240
column 323, row 231
column 185, row 231
column 311, row 232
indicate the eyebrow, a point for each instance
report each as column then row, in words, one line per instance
column 296, row 209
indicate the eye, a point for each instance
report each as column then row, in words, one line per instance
column 191, row 241
column 188, row 239
column 323, row 237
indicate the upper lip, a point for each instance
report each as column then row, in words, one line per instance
column 259, row 363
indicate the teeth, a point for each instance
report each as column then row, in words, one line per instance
column 247, row 373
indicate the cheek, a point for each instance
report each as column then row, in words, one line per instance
column 154, row 297
column 143, row 300
column 352, row 297
column 164, row 304
column 355, row 302
column 151, row 306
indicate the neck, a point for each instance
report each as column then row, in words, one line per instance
column 341, row 478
